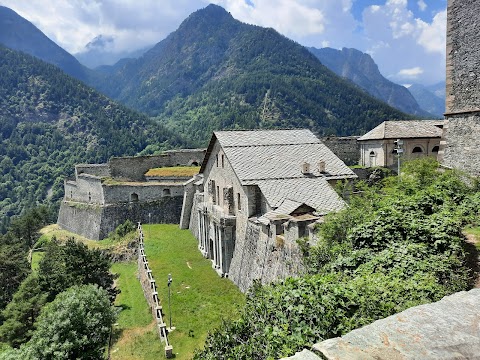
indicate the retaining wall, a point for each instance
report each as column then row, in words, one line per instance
column 346, row 148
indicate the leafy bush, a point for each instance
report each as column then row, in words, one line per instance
column 398, row 244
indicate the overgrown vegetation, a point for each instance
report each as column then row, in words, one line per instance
column 397, row 245
column 174, row 171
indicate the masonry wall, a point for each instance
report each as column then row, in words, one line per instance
column 145, row 192
column 100, row 170
column 96, row 222
column 87, row 188
column 263, row 258
column 134, row 168
column 346, row 148
column 460, row 142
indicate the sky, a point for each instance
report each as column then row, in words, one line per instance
column 406, row 38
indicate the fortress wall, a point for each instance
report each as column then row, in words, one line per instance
column 346, row 148
column 100, row 170
column 134, row 168
column 166, row 210
column 194, row 215
column 263, row 258
column 123, row 193
column 460, row 144
column 462, row 149
column 86, row 189
column 81, row 219
column 463, row 56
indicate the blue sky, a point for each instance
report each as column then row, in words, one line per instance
column 406, row 38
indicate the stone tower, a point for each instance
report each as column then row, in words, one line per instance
column 461, row 139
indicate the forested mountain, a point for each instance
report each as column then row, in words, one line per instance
column 216, row 72
column 20, row 34
column 430, row 98
column 49, row 122
column 360, row 68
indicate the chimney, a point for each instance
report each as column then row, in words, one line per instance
column 305, row 168
column 321, row 166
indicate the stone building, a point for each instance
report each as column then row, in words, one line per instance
column 102, row 196
column 257, row 192
column 461, row 142
column 420, row 138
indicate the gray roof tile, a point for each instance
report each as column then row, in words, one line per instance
column 405, row 129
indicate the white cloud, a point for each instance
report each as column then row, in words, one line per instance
column 433, row 36
column 421, row 5
column 411, row 73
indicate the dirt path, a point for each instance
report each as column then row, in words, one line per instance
column 475, row 263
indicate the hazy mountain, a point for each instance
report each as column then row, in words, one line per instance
column 216, row 72
column 430, row 98
column 100, row 52
column 360, row 68
column 19, row 34
column 50, row 121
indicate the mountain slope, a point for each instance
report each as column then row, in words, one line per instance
column 360, row 68
column 19, row 34
column 216, row 72
column 50, row 121
column 428, row 100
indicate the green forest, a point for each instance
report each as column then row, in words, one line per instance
column 49, row 122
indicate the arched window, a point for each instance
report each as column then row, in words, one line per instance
column 435, row 149
column 194, row 163
column 166, row 192
column 417, row 150
column 373, row 159
column 134, row 197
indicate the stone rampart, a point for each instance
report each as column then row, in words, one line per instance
column 134, row 168
column 100, row 170
column 149, row 287
column 346, row 148
column 96, row 222
column 263, row 258
column 462, row 148
column 140, row 192
column 463, row 56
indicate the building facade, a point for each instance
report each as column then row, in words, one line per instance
column 257, row 193
column 420, row 138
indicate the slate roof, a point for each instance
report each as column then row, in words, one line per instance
column 272, row 160
column 405, row 129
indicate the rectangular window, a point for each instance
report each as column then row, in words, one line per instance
column 239, row 203
column 218, row 195
column 223, row 163
column 217, row 160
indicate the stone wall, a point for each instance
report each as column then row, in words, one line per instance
column 346, row 148
column 460, row 144
column 100, row 170
column 261, row 257
column 114, row 194
column 87, row 189
column 96, row 222
column 463, row 56
column 81, row 219
column 134, row 168
column 462, row 149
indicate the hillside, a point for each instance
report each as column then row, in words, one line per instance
column 360, row 68
column 50, row 121
column 20, row 34
column 430, row 98
column 216, row 72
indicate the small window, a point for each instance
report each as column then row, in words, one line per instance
column 239, row 203
column 435, row 149
column 134, row 197
column 89, row 197
column 166, row 192
column 218, row 195
column 217, row 160
column 417, row 150
column 71, row 194
column 223, row 161
column 194, row 163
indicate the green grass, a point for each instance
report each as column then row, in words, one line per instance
column 36, row 257
column 474, row 235
column 200, row 299
column 135, row 335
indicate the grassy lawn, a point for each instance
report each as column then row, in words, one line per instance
column 200, row 299
column 135, row 335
